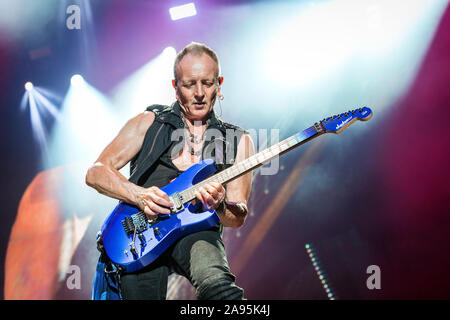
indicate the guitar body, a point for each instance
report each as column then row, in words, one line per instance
column 152, row 239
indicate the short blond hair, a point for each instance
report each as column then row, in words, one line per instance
column 195, row 48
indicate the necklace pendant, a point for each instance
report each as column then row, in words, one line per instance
column 195, row 139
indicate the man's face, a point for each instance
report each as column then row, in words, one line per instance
column 197, row 85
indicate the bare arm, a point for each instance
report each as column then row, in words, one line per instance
column 104, row 175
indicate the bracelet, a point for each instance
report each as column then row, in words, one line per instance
column 242, row 208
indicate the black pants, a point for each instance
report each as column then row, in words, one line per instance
column 200, row 257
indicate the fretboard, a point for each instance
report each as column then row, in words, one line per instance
column 255, row 161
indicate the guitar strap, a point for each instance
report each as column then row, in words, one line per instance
column 106, row 284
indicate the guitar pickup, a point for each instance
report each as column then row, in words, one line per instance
column 138, row 221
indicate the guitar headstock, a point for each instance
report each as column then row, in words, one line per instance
column 341, row 121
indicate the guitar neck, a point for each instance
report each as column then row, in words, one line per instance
column 257, row 160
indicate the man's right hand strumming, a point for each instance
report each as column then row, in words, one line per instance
column 153, row 201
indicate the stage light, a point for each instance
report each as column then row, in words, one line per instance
column 319, row 272
column 149, row 84
column 87, row 125
column 28, row 86
column 170, row 52
column 346, row 44
column 76, row 80
column 41, row 103
column 180, row 12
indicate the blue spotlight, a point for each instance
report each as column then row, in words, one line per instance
column 148, row 84
column 76, row 80
column 180, row 12
column 29, row 86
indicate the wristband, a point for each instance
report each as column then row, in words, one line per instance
column 222, row 207
column 241, row 208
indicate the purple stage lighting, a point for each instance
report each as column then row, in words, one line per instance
column 180, row 12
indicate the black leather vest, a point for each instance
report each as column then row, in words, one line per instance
column 221, row 141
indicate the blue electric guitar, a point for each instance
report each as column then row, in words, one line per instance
column 133, row 242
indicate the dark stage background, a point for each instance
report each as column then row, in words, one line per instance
column 376, row 194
